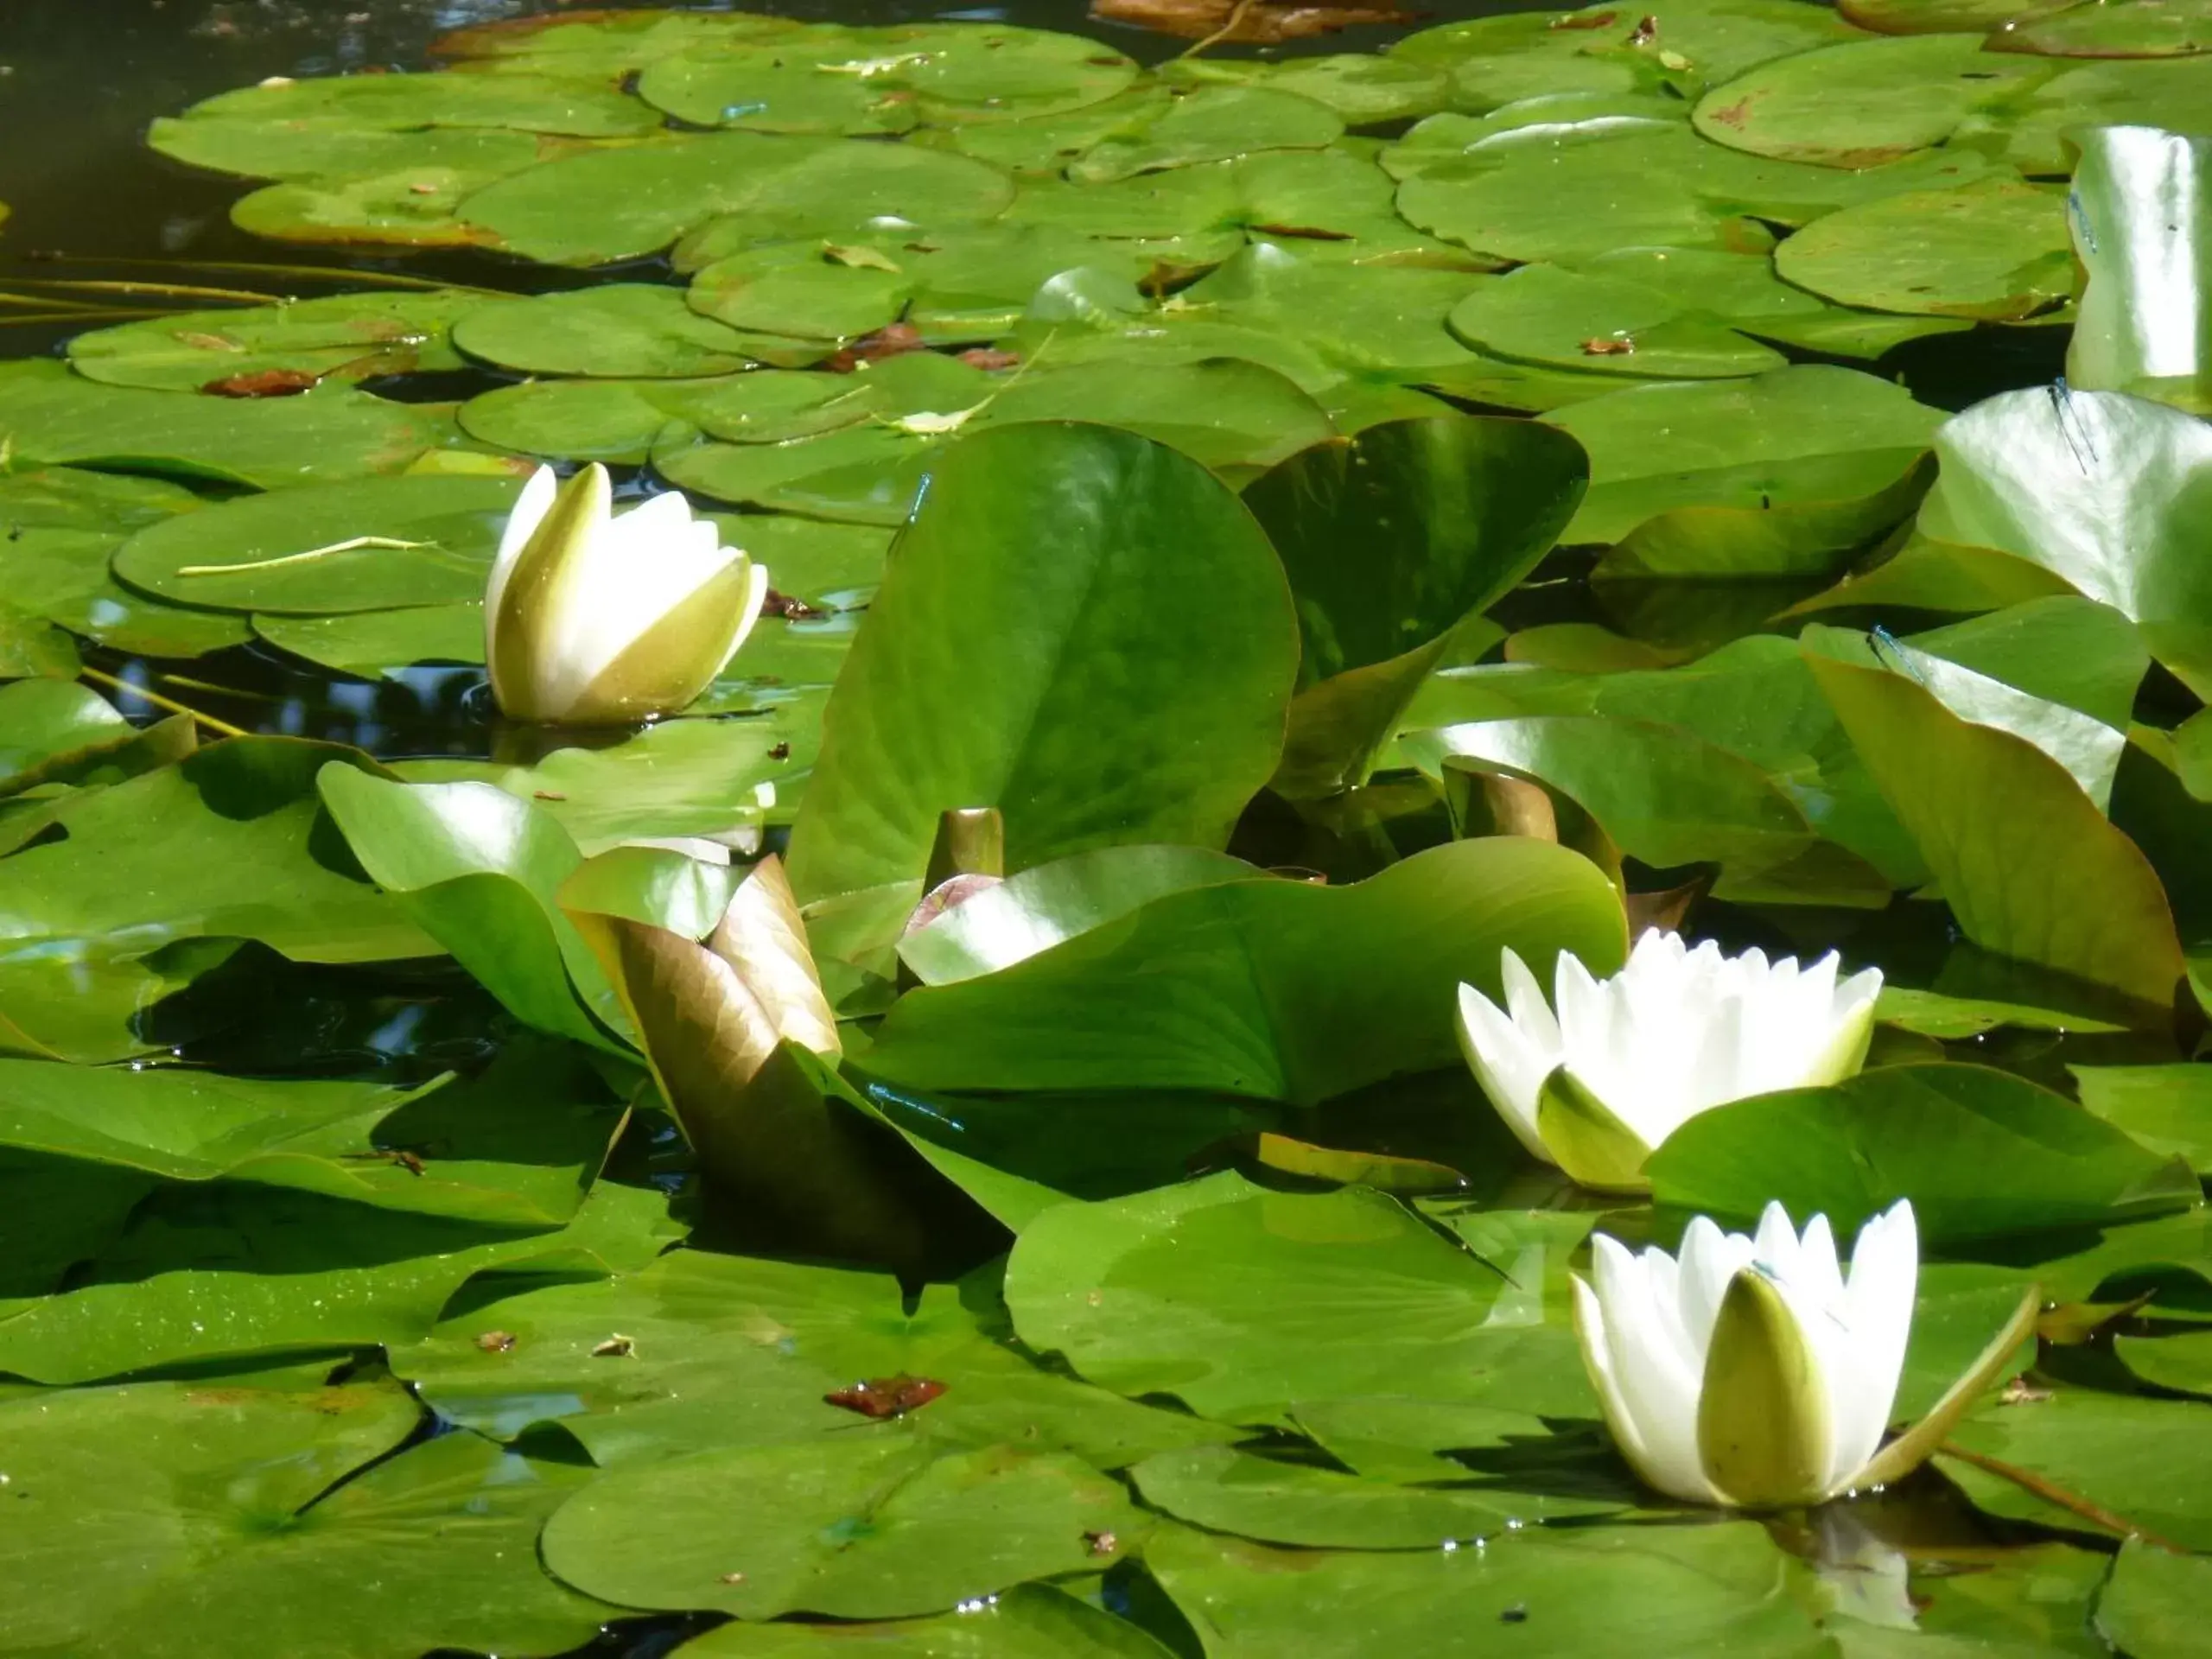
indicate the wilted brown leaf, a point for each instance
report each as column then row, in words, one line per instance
column 893, row 339
column 262, row 383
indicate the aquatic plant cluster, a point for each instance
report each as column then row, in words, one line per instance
column 1345, row 880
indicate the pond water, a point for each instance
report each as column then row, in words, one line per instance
column 1318, row 520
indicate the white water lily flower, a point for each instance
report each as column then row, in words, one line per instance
column 593, row 619
column 1626, row 1062
column 1750, row 1373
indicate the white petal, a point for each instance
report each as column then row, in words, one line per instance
column 645, row 564
column 1710, row 1259
column 1653, row 1404
column 530, row 510
column 1510, row 1067
column 756, row 595
column 1878, row 1303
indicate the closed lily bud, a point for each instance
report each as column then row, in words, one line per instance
column 592, row 619
column 1750, row 1373
column 1597, row 1086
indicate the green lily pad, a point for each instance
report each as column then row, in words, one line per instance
column 2103, row 490
column 865, row 81
column 1989, row 250
column 2031, row 870
column 1922, row 1132
column 870, row 817
column 50, row 415
column 1543, row 314
column 1362, row 89
column 1306, row 992
column 2165, row 1108
column 254, row 148
column 83, row 913
column 183, row 1504
column 1537, row 194
column 1499, row 60
column 1217, row 1292
column 345, row 337
column 1803, row 436
column 876, row 1526
column 1211, row 124
column 620, row 330
column 208, row 1271
column 1031, row 1621
column 2150, row 1605
column 2142, row 327
column 588, row 210
column 2128, row 1455
column 607, row 44
column 2119, row 28
column 62, row 526
column 735, row 1351
column 401, row 103
column 374, row 644
column 478, row 871
column 1696, row 1589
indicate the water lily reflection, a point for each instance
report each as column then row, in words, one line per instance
column 1626, row 1061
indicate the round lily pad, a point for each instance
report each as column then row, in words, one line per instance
column 1865, row 103
column 619, row 204
column 806, row 288
column 254, row 148
column 611, row 44
column 345, row 337
column 1527, row 194
column 2173, row 92
column 389, row 103
column 1612, row 325
column 2110, row 28
column 1744, row 290
column 622, row 330
column 860, row 80
column 370, row 644
column 1992, row 249
column 377, row 544
column 1362, row 89
column 1211, row 124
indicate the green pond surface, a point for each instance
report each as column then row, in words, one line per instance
column 1313, row 518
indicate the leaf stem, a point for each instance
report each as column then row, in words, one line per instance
column 2073, row 1503
column 351, row 543
column 1228, row 28
column 221, row 728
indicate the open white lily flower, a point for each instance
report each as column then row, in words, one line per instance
column 1626, row 1062
column 1750, row 1373
column 593, row 619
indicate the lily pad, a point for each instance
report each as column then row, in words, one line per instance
column 1794, row 438
column 2127, row 1455
column 2128, row 28
column 589, row 210
column 1268, row 989
column 258, row 149
column 618, row 330
column 1031, row 1621
column 1851, row 1151
column 399, row 103
column 1543, row 314
column 2149, row 1606
column 2142, row 327
column 1082, row 754
column 345, row 337
column 49, row 415
column 367, row 546
column 375, row 644
column 876, row 1526
column 1989, row 250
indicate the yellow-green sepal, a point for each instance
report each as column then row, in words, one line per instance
column 1762, row 1414
column 1919, row 1443
column 665, row 669
column 549, row 562
column 1584, row 1138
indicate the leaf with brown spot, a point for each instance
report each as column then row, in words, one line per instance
column 893, row 339
column 264, row 383
column 887, row 1396
column 990, row 358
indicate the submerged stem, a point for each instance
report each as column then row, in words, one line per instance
column 221, row 728
column 351, row 545
column 2073, row 1503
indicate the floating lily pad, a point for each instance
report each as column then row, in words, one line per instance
column 610, row 44
column 1990, row 249
column 2109, row 28
column 1609, row 49
column 345, row 337
column 402, row 103
column 1543, row 314
column 49, row 415
column 1745, row 291
column 413, row 540
column 1803, row 435
column 2134, row 1458
column 2150, row 1606
column 1209, row 125
column 1361, row 89
column 1031, row 1621
column 258, row 149
column 623, row 329
column 588, row 210
column 872, row 1527
column 379, row 643
column 1531, row 195
column 860, row 81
